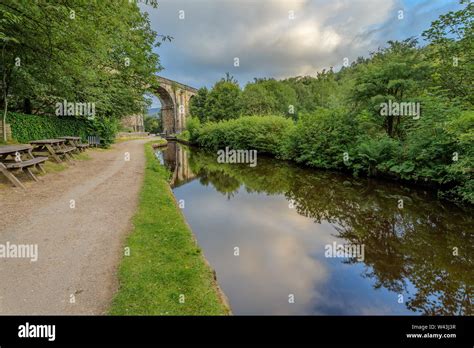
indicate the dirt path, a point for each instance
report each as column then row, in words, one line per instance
column 78, row 249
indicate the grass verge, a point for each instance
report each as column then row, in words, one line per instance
column 53, row 167
column 165, row 262
column 121, row 140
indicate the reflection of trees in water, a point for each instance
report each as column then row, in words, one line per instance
column 222, row 182
column 402, row 246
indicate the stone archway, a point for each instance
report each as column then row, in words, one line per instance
column 174, row 98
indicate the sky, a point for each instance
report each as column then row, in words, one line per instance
column 279, row 38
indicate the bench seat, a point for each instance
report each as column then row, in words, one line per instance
column 65, row 150
column 27, row 163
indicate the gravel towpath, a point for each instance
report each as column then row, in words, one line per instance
column 79, row 249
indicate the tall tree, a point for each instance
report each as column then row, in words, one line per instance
column 451, row 50
column 76, row 51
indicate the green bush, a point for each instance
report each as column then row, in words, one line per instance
column 193, row 125
column 322, row 139
column 26, row 128
column 34, row 127
column 185, row 135
column 262, row 133
column 104, row 127
column 375, row 155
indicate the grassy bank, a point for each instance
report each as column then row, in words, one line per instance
column 165, row 261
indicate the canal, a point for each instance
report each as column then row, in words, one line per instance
column 290, row 240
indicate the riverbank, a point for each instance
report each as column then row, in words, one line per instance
column 165, row 272
column 333, row 140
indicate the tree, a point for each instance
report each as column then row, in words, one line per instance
column 79, row 52
column 197, row 106
column 394, row 73
column 6, row 18
column 152, row 124
column 222, row 101
column 451, row 49
column 257, row 100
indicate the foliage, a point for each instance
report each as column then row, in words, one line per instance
column 267, row 97
column 34, row 127
column 451, row 50
column 394, row 73
column 104, row 127
column 78, row 51
column 193, row 126
column 338, row 120
column 197, row 106
column 321, row 139
column 152, row 124
column 184, row 135
column 222, row 101
column 264, row 134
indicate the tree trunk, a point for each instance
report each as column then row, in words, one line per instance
column 27, row 109
column 389, row 125
column 5, row 102
column 4, row 121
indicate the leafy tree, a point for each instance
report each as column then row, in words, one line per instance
column 152, row 124
column 394, row 73
column 222, row 101
column 257, row 100
column 451, row 49
column 79, row 52
column 198, row 105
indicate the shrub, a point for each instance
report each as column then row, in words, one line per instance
column 104, row 127
column 184, row 135
column 26, row 128
column 34, row 127
column 322, row 138
column 262, row 133
column 192, row 125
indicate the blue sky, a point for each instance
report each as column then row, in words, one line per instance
column 279, row 38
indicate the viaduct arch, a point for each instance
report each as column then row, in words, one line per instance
column 175, row 99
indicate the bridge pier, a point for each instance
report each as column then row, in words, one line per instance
column 175, row 99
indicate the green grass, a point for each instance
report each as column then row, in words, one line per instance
column 53, row 167
column 82, row 156
column 164, row 260
column 121, row 140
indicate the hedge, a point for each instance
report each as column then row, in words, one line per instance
column 26, row 128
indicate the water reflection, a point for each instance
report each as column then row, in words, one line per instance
column 418, row 259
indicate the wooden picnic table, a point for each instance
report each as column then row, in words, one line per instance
column 75, row 142
column 53, row 148
column 19, row 158
column 11, row 149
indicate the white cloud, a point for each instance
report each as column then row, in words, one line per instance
column 264, row 38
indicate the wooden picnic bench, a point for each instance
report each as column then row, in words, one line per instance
column 76, row 142
column 53, row 148
column 19, row 158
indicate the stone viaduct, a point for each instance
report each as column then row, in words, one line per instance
column 175, row 98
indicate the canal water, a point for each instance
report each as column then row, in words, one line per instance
column 290, row 240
